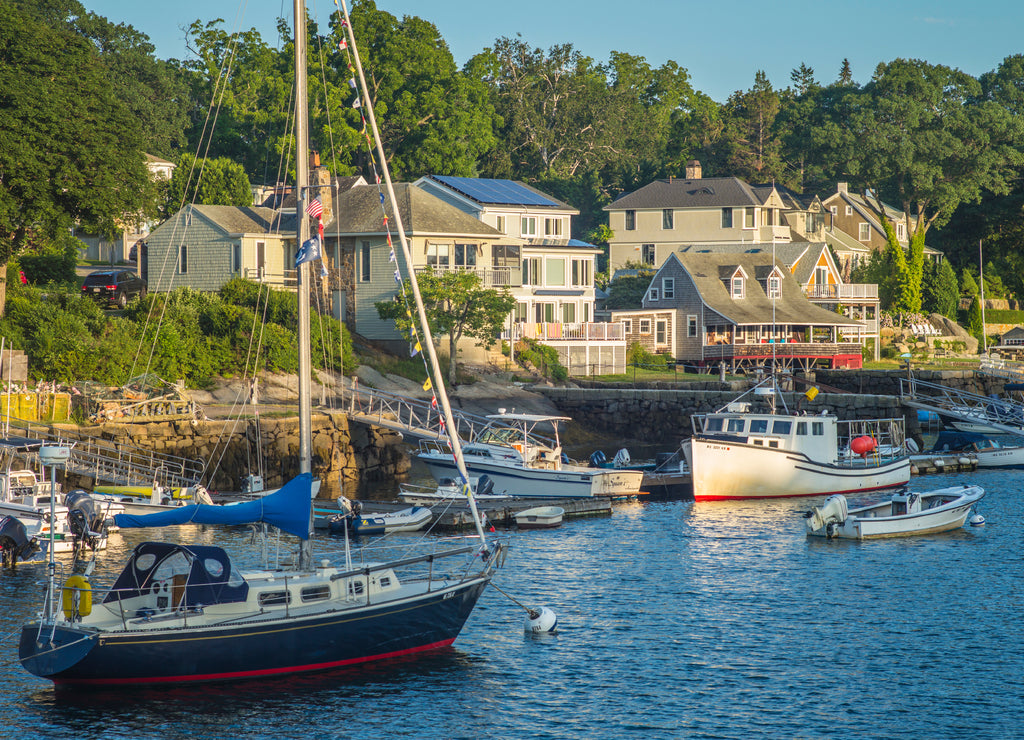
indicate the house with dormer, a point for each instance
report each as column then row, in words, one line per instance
column 745, row 310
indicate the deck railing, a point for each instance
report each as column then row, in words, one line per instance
column 591, row 331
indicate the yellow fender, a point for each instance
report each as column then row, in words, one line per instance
column 76, row 589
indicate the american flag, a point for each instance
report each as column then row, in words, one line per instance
column 315, row 208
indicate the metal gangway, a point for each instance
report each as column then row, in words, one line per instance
column 999, row 414
column 413, row 417
column 113, row 463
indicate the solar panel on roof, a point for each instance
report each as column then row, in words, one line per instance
column 506, row 192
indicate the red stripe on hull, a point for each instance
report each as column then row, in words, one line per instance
column 793, row 495
column 253, row 674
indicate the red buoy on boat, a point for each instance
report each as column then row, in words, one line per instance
column 863, row 445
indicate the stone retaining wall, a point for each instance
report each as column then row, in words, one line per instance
column 343, row 452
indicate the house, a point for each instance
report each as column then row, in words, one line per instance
column 203, row 247
column 854, row 217
column 745, row 310
column 554, row 289
column 134, row 229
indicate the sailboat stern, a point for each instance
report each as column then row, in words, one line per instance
column 48, row 650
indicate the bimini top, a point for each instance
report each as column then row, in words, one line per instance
column 528, row 418
column 209, row 575
column 287, row 509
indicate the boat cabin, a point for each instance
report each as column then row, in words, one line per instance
column 815, row 436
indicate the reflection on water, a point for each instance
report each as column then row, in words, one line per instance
column 677, row 619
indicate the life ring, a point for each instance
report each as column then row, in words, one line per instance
column 76, row 597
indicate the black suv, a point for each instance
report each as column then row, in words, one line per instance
column 114, row 287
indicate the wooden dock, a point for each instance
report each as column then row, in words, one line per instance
column 457, row 517
column 946, row 463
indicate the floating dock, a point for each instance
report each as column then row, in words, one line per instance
column 457, row 517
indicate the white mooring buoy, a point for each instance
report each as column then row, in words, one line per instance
column 540, row 620
column 977, row 520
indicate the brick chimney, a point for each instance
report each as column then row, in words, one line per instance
column 693, row 171
column 320, row 180
column 843, row 187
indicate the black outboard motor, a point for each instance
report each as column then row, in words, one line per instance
column 484, row 486
column 85, row 517
column 14, row 542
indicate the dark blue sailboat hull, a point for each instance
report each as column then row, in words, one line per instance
column 82, row 657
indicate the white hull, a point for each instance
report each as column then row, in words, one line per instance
column 567, row 482
column 940, row 511
column 540, row 517
column 732, row 470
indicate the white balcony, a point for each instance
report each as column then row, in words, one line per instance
column 275, row 278
column 492, row 277
column 578, row 332
column 845, row 292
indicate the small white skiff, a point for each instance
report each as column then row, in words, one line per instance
column 901, row 515
column 540, row 517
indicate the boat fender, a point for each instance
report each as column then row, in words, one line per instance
column 76, row 598
column 977, row 520
column 541, row 621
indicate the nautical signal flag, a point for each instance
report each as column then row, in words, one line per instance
column 428, row 385
column 309, row 251
column 315, row 208
column 416, row 349
column 433, row 402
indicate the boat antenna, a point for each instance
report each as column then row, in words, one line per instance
column 301, row 235
column 442, row 393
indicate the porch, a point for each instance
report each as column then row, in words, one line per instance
column 584, row 348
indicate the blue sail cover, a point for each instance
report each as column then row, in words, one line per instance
column 288, row 509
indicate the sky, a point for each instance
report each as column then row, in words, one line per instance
column 721, row 44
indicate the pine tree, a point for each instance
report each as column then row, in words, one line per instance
column 845, row 74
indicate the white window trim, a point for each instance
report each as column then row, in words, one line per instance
column 652, row 294
column 849, row 210
column 627, row 325
column 691, row 319
column 668, row 288
column 734, row 282
column 657, row 323
column 774, row 286
column 528, row 220
column 862, row 228
column 645, row 326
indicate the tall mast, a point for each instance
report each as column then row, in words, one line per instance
column 301, row 235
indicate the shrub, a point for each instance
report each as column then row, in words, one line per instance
column 543, row 358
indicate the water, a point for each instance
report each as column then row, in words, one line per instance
column 677, row 619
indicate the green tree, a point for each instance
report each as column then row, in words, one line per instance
column 71, row 150
column 457, row 304
column 941, row 293
column 974, row 324
column 968, row 285
column 750, row 120
column 627, row 291
column 211, row 182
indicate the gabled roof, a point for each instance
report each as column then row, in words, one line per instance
column 1014, row 333
column 245, row 220
column 490, row 192
column 706, row 192
column 755, row 307
column 360, row 212
column 285, row 199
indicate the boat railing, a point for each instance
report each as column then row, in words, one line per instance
column 889, row 436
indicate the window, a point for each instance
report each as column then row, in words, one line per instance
column 737, row 287
column 652, row 294
column 438, row 255
column 713, row 425
column 774, row 286
column 749, row 218
column 849, row 210
column 820, row 275
column 531, row 271
column 818, row 428
column 801, row 428
column 630, row 220
column 465, row 255
column 581, row 270
column 782, row 427
column 645, row 326
column 586, row 312
column 315, row 593
column 864, row 232
column 274, row 598
column 809, row 223
column 834, row 210
column 364, row 262
column 627, row 326
column 499, row 224
column 769, row 216
column 736, row 425
column 758, row 426
column 505, row 255
column 648, row 254
column 552, row 227
column 182, row 260
column 568, row 313
column 544, row 312
column 726, row 218
column 236, row 257
column 691, row 326
column 900, row 230
column 554, row 271
column 528, row 225
column 668, row 288
column 667, row 218
column 522, row 312
column 661, row 331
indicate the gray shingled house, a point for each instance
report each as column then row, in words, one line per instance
column 746, row 310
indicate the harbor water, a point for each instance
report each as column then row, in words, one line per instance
column 676, row 620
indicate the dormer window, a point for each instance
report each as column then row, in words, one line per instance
column 737, row 287
column 654, row 294
column 774, row 286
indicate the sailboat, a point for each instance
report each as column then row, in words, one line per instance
column 182, row 614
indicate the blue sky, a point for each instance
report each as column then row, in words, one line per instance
column 721, row 44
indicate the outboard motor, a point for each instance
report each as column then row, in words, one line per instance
column 85, row 518
column 484, row 486
column 597, row 459
column 621, row 458
column 14, row 541
column 828, row 516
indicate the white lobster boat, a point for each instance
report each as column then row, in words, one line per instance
column 741, row 452
column 521, row 463
column 901, row 515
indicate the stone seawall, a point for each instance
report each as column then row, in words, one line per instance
column 663, row 416
column 888, row 381
column 343, row 452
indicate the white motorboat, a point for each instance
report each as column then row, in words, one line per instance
column 150, row 499
column 745, row 452
column 901, row 515
column 448, row 491
column 523, row 463
column 990, row 453
column 540, row 517
column 412, row 519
